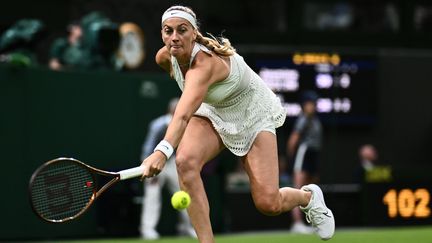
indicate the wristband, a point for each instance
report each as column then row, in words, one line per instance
column 165, row 148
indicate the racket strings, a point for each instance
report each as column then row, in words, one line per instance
column 62, row 190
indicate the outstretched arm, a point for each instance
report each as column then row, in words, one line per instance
column 198, row 79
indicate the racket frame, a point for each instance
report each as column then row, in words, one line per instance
column 116, row 176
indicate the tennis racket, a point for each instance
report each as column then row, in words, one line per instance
column 64, row 188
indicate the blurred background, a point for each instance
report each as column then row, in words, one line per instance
column 78, row 79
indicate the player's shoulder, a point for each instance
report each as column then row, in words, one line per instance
column 206, row 60
column 205, row 55
column 163, row 58
column 216, row 67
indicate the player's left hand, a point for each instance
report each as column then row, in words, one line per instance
column 153, row 164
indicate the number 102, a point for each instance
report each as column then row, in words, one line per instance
column 407, row 203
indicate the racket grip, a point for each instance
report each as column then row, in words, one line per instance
column 131, row 173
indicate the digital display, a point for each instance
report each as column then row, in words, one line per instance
column 407, row 203
column 398, row 203
column 346, row 84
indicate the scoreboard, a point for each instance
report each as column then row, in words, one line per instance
column 345, row 83
column 398, row 203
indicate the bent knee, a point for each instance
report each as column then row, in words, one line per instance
column 270, row 206
column 188, row 167
column 186, row 162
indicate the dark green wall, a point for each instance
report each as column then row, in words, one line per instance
column 99, row 118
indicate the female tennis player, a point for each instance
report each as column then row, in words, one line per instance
column 224, row 104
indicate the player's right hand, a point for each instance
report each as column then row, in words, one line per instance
column 153, row 164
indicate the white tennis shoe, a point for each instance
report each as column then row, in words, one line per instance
column 317, row 214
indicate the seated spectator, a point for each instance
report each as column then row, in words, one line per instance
column 67, row 52
column 92, row 43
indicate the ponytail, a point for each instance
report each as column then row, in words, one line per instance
column 221, row 45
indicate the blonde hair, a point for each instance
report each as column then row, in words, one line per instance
column 221, row 45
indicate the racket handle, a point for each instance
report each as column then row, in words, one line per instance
column 131, row 173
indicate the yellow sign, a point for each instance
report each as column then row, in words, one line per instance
column 311, row 58
column 379, row 174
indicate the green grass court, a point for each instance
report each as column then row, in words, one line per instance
column 373, row 235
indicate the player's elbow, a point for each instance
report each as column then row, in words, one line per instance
column 183, row 120
column 183, row 117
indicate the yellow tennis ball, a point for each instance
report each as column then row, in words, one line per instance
column 180, row 200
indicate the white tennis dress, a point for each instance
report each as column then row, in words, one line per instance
column 240, row 106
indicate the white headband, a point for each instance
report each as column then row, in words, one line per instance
column 180, row 14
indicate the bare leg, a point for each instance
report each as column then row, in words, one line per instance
column 300, row 179
column 261, row 164
column 199, row 144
